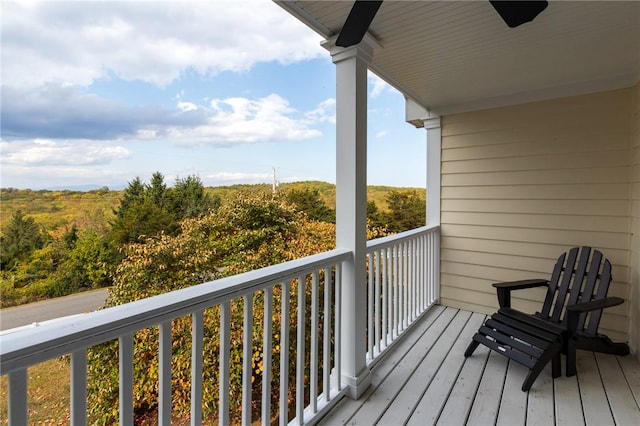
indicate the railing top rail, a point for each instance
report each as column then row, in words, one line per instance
column 379, row 243
column 31, row 346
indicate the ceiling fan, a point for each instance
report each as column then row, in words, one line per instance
column 514, row 13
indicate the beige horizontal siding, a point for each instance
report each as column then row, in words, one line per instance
column 522, row 184
column 634, row 270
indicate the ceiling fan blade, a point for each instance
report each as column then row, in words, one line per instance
column 357, row 23
column 516, row 13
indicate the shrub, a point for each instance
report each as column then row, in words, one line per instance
column 255, row 231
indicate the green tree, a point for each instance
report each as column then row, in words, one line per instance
column 133, row 193
column 157, row 190
column 190, row 198
column 85, row 265
column 70, row 237
column 147, row 210
column 141, row 219
column 21, row 237
column 407, row 210
column 310, row 202
column 374, row 216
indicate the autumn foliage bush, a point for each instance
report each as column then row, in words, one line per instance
column 253, row 232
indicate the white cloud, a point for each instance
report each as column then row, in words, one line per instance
column 187, row 106
column 381, row 134
column 324, row 113
column 44, row 177
column 79, row 42
column 244, row 120
column 59, row 112
column 47, row 152
column 239, row 177
column 230, row 178
column 378, row 85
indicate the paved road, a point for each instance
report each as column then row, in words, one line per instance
column 50, row 309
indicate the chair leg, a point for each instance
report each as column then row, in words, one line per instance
column 571, row 358
column 556, row 366
column 532, row 376
column 552, row 353
column 471, row 348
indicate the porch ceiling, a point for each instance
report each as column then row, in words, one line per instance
column 453, row 56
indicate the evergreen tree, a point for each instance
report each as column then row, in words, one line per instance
column 134, row 193
column 21, row 238
column 70, row 237
column 407, row 210
column 157, row 190
column 190, row 198
column 374, row 215
column 309, row 202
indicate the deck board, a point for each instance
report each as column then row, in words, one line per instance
column 597, row 411
column 513, row 404
column 410, row 394
column 465, row 386
column 425, row 379
column 486, row 403
column 433, row 400
column 631, row 371
column 346, row 408
column 623, row 405
column 540, row 410
column 568, row 406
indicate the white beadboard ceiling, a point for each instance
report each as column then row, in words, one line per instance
column 454, row 56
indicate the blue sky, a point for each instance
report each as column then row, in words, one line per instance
column 97, row 93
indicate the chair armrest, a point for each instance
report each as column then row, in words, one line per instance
column 575, row 311
column 518, row 285
column 595, row 305
column 504, row 289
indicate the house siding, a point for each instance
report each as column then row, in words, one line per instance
column 522, row 184
column 634, row 270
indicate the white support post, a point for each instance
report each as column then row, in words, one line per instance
column 351, row 205
column 434, row 143
column 433, row 127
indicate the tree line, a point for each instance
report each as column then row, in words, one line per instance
column 164, row 238
column 39, row 261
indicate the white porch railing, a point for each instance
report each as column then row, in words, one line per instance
column 402, row 285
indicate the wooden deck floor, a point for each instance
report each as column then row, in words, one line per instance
column 426, row 380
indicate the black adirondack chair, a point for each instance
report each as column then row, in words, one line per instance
column 569, row 319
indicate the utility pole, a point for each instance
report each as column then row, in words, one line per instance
column 275, row 181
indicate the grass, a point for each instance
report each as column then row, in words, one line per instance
column 47, row 392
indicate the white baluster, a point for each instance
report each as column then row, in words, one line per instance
column 376, row 312
column 125, row 351
column 370, row 305
column 225, row 354
column 266, row 355
column 326, row 339
column 79, row 387
column 164, row 374
column 197, row 332
column 284, row 355
column 18, row 397
column 313, row 386
column 338, row 326
column 300, row 350
column 247, row 358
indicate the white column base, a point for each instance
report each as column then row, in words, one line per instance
column 356, row 386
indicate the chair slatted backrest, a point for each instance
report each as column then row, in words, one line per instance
column 580, row 275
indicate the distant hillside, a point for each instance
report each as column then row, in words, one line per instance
column 52, row 209
column 327, row 191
